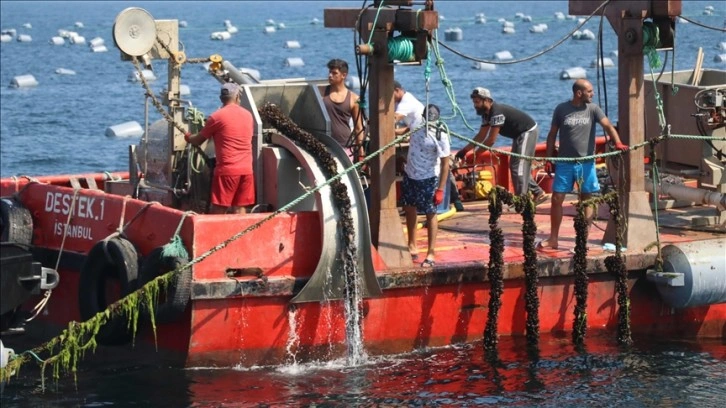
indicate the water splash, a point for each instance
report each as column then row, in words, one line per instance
column 293, row 338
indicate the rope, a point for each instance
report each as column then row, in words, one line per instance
column 531, row 57
column 175, row 247
column 723, row 30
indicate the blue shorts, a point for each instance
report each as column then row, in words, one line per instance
column 569, row 173
column 419, row 194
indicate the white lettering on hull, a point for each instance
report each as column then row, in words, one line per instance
column 73, row 231
column 85, row 207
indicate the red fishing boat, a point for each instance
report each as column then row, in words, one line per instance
column 309, row 274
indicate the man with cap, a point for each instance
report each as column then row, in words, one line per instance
column 231, row 128
column 500, row 119
column 426, row 171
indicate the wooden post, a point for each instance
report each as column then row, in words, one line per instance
column 386, row 225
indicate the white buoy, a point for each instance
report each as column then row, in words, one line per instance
column 270, row 21
column 25, row 38
column 483, row 66
column 480, row 18
column 148, row 76
column 508, row 30
column 28, row 26
column 527, row 19
column 719, row 58
column 23, row 81
column 508, row 24
column 96, row 41
column 315, row 21
column 78, row 24
column 294, row 62
column 538, row 28
column 502, row 20
column 559, row 15
column 583, row 35
column 518, row 15
column 67, row 34
column 5, row 38
column 281, row 26
column 614, row 54
column 183, row 23
column 232, row 29
column 352, row 82
column 269, row 29
column 454, row 34
column 220, row 35
column 573, row 73
column 707, row 12
column 580, row 20
column 77, row 39
column 710, row 8
column 604, row 62
column 184, row 90
column 99, row 48
column 126, row 129
column 292, row 44
column 65, row 71
column 503, row 55
column 682, row 20
column 571, row 17
column 722, row 46
column 57, row 41
column 9, row 31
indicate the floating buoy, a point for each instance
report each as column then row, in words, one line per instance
column 10, row 31
column 722, row 46
column 99, row 48
column 580, row 20
column 503, row 55
column 508, row 30
column 508, row 24
column 24, row 38
column 78, row 24
column 484, row 66
column 126, row 129
column 294, row 62
column 707, row 12
column 709, row 8
column 57, row 41
column 78, row 39
column 538, row 28
column 148, row 76
column 614, row 54
column 269, row 29
column 518, row 15
column 183, row 23
column 67, row 34
column 220, row 35
column 270, row 21
column 292, row 44
column 573, row 73
column 5, row 38
column 571, row 17
column 527, row 19
column 604, row 62
column 96, row 41
column 559, row 15
column 502, row 20
column 682, row 20
column 28, row 26
column 65, row 71
column 583, row 35
column 281, row 26
column 352, row 82
column 315, row 21
column 23, row 81
column 719, row 58
column 454, row 34
column 232, row 29
column 480, row 18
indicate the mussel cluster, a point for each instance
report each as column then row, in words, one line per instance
column 496, row 266
column 273, row 116
column 616, row 266
column 579, row 261
column 525, row 206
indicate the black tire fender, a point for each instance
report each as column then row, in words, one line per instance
column 16, row 223
column 115, row 258
column 174, row 300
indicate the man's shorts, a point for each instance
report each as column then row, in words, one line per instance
column 419, row 194
column 569, row 173
column 237, row 191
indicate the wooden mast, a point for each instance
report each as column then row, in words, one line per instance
column 626, row 17
column 386, row 231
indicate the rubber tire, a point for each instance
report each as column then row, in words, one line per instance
column 178, row 292
column 116, row 258
column 16, row 223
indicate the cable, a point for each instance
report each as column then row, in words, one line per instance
column 723, row 30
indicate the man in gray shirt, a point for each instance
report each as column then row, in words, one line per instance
column 575, row 121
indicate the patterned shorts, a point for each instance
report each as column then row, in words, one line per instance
column 419, row 194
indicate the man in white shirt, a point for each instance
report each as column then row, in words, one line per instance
column 427, row 168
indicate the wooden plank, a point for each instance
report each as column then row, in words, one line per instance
column 399, row 19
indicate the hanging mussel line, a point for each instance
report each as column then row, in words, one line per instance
column 579, row 326
column 495, row 272
column 525, row 206
column 272, row 115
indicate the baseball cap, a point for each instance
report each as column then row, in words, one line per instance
column 229, row 90
column 482, row 93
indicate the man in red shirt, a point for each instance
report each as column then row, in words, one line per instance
column 231, row 127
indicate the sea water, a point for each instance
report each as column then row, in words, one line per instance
column 59, row 126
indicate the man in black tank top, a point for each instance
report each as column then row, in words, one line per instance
column 500, row 119
column 342, row 105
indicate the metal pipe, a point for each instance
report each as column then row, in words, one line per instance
column 237, row 76
column 692, row 194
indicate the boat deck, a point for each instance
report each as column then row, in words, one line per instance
column 463, row 238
